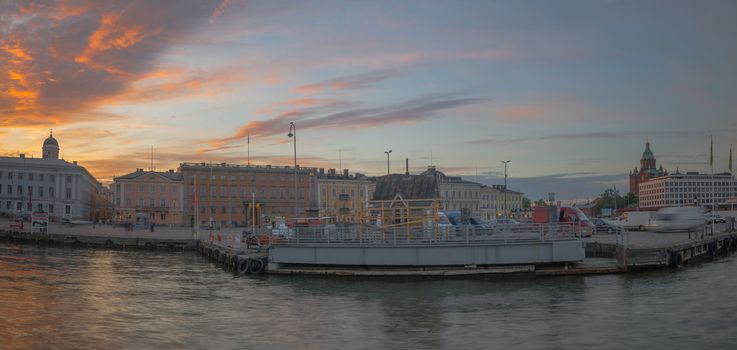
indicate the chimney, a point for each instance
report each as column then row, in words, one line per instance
column 345, row 172
column 321, row 171
column 22, row 156
column 74, row 162
column 331, row 171
column 406, row 166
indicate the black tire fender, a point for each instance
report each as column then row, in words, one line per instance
column 257, row 266
column 676, row 260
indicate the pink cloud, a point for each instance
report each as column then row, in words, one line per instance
column 523, row 112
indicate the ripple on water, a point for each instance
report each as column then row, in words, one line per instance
column 77, row 298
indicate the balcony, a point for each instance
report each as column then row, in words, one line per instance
column 344, row 211
column 344, row 197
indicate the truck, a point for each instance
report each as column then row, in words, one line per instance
column 565, row 215
column 637, row 220
column 677, row 219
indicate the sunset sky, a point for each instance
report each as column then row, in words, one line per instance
column 567, row 90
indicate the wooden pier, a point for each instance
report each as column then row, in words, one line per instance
column 647, row 250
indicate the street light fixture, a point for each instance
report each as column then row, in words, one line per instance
column 505, row 187
column 387, row 161
column 293, row 134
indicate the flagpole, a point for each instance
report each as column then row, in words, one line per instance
column 713, row 199
column 732, row 197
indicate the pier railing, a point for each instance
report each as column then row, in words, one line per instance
column 466, row 234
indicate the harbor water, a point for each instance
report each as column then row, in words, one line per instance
column 69, row 298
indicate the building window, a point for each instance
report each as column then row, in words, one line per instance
column 152, row 188
column 51, row 208
column 20, row 176
column 40, row 191
column 30, row 176
column 68, row 209
column 163, row 203
column 39, row 207
column 52, row 178
column 40, row 177
column 51, row 193
column 140, row 202
column 10, row 188
column 162, row 189
column 141, row 188
column 19, row 206
column 20, row 190
column 69, row 179
column 68, row 193
column 152, row 202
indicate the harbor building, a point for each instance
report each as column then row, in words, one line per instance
column 691, row 188
column 149, row 197
column 496, row 200
column 47, row 184
column 647, row 170
column 341, row 195
column 455, row 193
column 223, row 194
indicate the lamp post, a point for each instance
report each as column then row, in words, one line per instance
column 387, row 161
column 293, row 134
column 505, row 187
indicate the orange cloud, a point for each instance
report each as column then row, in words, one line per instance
column 17, row 52
column 111, row 34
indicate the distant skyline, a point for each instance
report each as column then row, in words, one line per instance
column 569, row 91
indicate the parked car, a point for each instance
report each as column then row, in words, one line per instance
column 503, row 224
column 603, row 226
column 716, row 218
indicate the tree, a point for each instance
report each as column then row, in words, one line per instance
column 540, row 202
column 612, row 199
column 526, row 203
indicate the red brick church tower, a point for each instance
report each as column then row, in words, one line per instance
column 647, row 170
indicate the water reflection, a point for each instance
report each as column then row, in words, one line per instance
column 76, row 298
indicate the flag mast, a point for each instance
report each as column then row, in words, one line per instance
column 711, row 163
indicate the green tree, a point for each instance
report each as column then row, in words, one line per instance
column 612, row 199
column 526, row 203
column 540, row 202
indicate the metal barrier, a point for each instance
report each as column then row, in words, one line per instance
column 467, row 234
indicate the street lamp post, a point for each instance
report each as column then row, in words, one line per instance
column 387, row 161
column 293, row 134
column 505, row 187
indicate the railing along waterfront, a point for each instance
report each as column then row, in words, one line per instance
column 465, row 235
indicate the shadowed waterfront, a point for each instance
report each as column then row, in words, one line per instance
column 75, row 298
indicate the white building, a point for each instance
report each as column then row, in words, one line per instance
column 456, row 194
column 47, row 184
column 495, row 201
column 484, row 202
column 688, row 189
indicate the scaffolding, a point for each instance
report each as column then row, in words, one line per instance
column 401, row 215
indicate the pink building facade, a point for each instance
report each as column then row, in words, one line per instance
column 149, row 197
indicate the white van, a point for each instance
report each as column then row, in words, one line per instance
column 637, row 220
column 677, row 219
